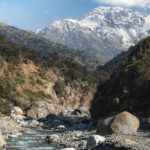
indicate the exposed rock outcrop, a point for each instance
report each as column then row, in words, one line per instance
column 42, row 109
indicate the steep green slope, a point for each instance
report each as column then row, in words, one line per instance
column 44, row 46
column 26, row 77
column 128, row 88
column 116, row 63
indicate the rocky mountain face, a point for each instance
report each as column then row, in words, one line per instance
column 28, row 78
column 104, row 32
column 44, row 46
column 128, row 87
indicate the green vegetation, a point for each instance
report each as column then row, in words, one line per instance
column 44, row 46
column 38, row 81
column 128, row 88
column 6, row 95
column 13, row 80
column 19, row 81
column 116, row 63
column 11, row 68
column 42, row 73
column 74, row 74
column 1, row 62
column 59, row 87
column 34, row 96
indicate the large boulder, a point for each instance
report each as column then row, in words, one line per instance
column 42, row 109
column 2, row 141
column 123, row 123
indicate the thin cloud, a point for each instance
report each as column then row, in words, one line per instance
column 127, row 3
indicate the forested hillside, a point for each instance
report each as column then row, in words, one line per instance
column 128, row 88
column 27, row 76
column 44, row 46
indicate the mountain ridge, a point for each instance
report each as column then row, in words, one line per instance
column 104, row 31
column 37, row 43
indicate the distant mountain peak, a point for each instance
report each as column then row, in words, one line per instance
column 104, row 31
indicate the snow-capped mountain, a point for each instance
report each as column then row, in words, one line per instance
column 104, row 32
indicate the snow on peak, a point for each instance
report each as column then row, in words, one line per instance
column 104, row 31
column 115, row 16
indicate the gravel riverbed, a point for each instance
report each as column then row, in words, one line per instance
column 69, row 132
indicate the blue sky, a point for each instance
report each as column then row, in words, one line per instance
column 35, row 14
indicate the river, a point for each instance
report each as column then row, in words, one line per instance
column 31, row 140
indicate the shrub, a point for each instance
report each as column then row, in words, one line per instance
column 6, row 95
column 74, row 74
column 1, row 62
column 33, row 96
column 59, row 87
column 5, row 106
column 32, row 83
column 6, row 72
column 18, row 74
column 20, row 81
column 41, row 73
column 11, row 68
column 38, row 81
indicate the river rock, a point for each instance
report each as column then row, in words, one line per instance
column 2, row 141
column 42, row 109
column 68, row 149
column 94, row 140
column 52, row 138
column 61, row 127
column 17, row 117
column 123, row 123
column 18, row 110
column 81, row 113
column 34, row 122
column 55, row 123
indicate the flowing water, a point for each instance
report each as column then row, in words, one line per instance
column 31, row 140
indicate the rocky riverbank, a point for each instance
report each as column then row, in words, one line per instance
column 74, row 130
column 77, row 137
column 78, row 140
column 139, row 141
column 82, row 135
